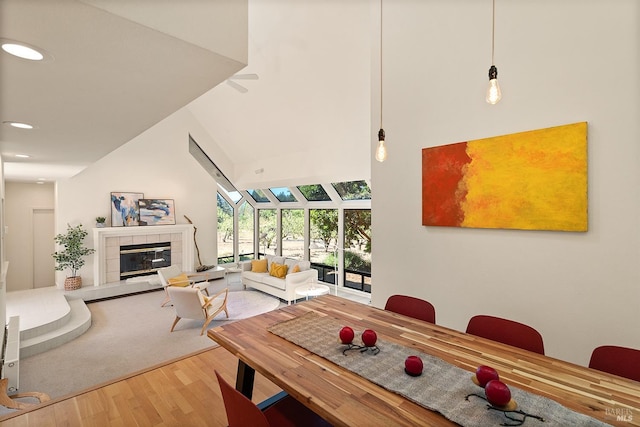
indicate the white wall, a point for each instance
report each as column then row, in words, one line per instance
column 156, row 163
column 559, row 62
column 20, row 201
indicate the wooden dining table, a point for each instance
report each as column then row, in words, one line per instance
column 346, row 399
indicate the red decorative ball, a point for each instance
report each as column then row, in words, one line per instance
column 369, row 337
column 497, row 392
column 346, row 335
column 413, row 366
column 484, row 374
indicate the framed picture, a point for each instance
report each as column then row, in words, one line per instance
column 157, row 212
column 124, row 209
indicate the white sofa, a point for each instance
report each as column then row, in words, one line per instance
column 285, row 289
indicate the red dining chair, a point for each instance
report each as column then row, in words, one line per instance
column 412, row 307
column 242, row 412
column 622, row 361
column 507, row 332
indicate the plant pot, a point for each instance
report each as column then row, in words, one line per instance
column 100, row 224
column 72, row 283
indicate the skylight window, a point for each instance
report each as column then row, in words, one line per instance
column 283, row 194
column 314, row 193
column 353, row 190
column 258, row 196
column 233, row 195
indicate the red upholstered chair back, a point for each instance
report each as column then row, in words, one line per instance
column 412, row 307
column 622, row 361
column 507, row 332
column 241, row 411
column 284, row 412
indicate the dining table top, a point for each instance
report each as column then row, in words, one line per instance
column 343, row 397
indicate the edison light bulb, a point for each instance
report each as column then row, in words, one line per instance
column 381, row 151
column 494, row 94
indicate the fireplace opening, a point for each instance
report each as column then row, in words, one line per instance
column 144, row 259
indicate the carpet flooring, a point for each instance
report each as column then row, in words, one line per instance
column 126, row 335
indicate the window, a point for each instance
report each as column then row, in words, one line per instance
column 357, row 249
column 258, row 196
column 314, row 193
column 225, row 231
column 353, row 190
column 267, row 227
column 283, row 194
column 233, row 195
column 245, row 232
column 323, row 238
column 293, row 233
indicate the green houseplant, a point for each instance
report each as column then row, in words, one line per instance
column 100, row 220
column 72, row 255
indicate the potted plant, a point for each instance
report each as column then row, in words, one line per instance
column 100, row 221
column 72, row 256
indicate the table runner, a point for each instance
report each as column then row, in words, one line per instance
column 442, row 387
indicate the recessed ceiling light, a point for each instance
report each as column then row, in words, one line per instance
column 23, row 156
column 22, row 51
column 39, row 182
column 19, row 125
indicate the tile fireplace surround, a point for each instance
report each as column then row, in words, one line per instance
column 107, row 242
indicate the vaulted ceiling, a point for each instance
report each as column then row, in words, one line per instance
column 114, row 69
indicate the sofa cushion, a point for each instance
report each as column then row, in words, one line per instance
column 304, row 265
column 256, row 277
column 295, row 269
column 274, row 281
column 272, row 258
column 278, row 270
column 259, row 265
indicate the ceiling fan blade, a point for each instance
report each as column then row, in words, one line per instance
column 244, row 77
column 237, row 87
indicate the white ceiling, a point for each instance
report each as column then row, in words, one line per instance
column 118, row 68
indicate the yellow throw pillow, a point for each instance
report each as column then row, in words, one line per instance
column 278, row 270
column 295, row 269
column 259, row 265
column 181, row 280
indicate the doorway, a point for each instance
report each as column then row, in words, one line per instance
column 43, row 247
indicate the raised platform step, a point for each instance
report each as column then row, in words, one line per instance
column 50, row 317
column 77, row 323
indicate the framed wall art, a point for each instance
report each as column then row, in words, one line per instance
column 124, row 209
column 535, row 180
column 157, row 212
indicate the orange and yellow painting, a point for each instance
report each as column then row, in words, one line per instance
column 535, row 180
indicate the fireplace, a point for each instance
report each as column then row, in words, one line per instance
column 143, row 259
column 108, row 240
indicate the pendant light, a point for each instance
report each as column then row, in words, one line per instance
column 381, row 150
column 494, row 94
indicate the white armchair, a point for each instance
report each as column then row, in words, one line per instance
column 173, row 276
column 191, row 303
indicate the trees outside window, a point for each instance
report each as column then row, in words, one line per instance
column 267, row 226
column 357, row 248
column 246, row 226
column 293, row 233
column 225, row 230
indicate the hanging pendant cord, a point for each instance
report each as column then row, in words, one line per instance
column 381, row 64
column 493, row 31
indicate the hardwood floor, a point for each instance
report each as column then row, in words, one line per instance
column 182, row 393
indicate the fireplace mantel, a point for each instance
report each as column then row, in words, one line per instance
column 107, row 241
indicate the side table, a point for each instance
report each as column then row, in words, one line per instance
column 235, row 274
column 312, row 291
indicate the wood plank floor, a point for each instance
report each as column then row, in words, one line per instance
column 182, row 393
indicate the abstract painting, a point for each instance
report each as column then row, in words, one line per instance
column 535, row 180
column 124, row 209
column 157, row 212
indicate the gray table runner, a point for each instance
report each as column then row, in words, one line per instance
column 442, row 387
